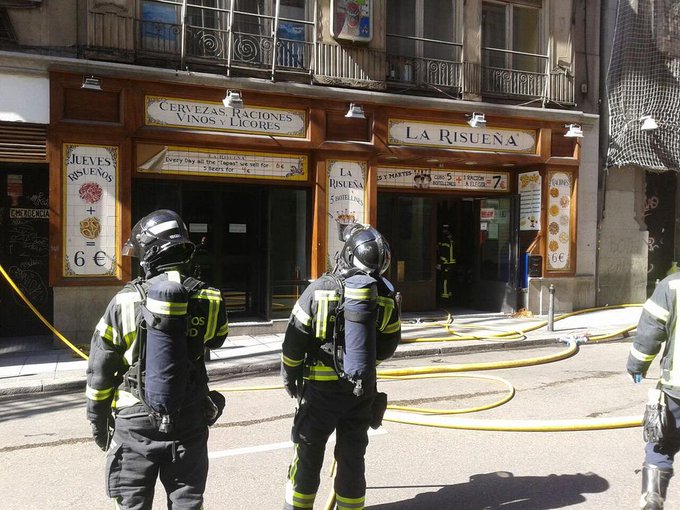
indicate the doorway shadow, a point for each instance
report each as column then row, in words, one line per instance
column 504, row 491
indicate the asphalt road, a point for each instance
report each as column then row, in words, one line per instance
column 49, row 461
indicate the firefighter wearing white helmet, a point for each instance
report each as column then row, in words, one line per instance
column 343, row 325
column 147, row 393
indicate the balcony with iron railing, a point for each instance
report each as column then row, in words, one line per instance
column 255, row 45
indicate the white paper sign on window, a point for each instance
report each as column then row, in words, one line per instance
column 559, row 221
column 90, row 221
column 529, row 187
column 346, row 201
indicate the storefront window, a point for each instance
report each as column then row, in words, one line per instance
column 288, row 253
column 495, row 239
column 415, row 239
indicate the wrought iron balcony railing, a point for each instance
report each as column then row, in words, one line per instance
column 256, row 48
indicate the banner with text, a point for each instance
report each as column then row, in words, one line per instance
column 346, row 201
column 529, row 188
column 401, row 177
column 189, row 114
column 221, row 163
column 455, row 136
column 90, row 203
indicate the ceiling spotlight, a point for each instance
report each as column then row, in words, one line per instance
column 233, row 100
column 356, row 111
column 477, row 120
column 91, row 83
column 573, row 131
column 648, row 123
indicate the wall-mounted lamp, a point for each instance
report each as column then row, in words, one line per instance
column 573, row 131
column 355, row 111
column 91, row 83
column 477, row 120
column 648, row 123
column 233, row 100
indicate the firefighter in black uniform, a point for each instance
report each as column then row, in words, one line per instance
column 658, row 330
column 345, row 315
column 140, row 446
column 445, row 262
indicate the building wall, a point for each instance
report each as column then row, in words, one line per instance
column 622, row 267
column 53, row 24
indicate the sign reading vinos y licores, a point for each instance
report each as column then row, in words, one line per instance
column 457, row 136
column 346, row 201
column 185, row 113
column 90, row 224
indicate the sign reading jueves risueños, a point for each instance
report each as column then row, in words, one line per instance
column 189, row 114
column 90, row 210
column 456, row 136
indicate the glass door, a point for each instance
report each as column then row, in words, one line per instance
column 497, row 260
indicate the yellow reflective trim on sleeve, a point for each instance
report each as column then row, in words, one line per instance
column 392, row 328
column 290, row 362
column 213, row 312
column 224, row 330
column 323, row 299
column 124, row 399
column 387, row 305
column 165, row 307
column 360, row 294
column 107, row 332
column 128, row 319
column 656, row 310
column 301, row 315
column 94, row 394
column 322, row 373
column 641, row 355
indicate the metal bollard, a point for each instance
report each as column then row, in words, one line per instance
column 551, row 308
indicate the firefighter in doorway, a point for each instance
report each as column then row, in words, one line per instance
column 445, row 263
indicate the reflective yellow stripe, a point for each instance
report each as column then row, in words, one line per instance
column 657, row 311
column 107, row 332
column 224, row 330
column 215, row 299
column 290, row 362
column 387, row 305
column 641, row 355
column 128, row 321
column 166, row 307
column 94, row 394
column 322, row 373
column 301, row 315
column 354, row 503
column 671, row 377
column 323, row 299
column 360, row 294
column 392, row 328
column 124, row 399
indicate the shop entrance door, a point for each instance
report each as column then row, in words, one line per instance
column 496, row 272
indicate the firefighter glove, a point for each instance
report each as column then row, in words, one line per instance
column 214, row 406
column 292, row 381
column 102, row 431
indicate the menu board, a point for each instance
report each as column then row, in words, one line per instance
column 346, row 194
column 427, row 178
column 560, row 185
column 90, row 227
column 529, row 187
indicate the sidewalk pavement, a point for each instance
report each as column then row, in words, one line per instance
column 250, row 349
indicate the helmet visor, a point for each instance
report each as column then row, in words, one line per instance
column 128, row 249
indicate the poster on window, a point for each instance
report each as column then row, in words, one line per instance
column 352, row 20
column 90, row 221
column 560, row 186
column 529, row 187
column 346, row 201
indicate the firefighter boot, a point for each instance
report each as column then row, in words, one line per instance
column 654, row 484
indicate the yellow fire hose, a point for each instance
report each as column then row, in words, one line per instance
column 39, row 315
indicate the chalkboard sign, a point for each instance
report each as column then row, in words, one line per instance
column 24, row 245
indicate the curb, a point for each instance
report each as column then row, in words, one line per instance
column 44, row 386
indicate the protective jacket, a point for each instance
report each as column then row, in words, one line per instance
column 658, row 330
column 114, row 347
column 446, row 251
column 307, row 345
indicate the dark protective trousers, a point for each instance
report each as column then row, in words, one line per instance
column 319, row 414
column 662, row 455
column 140, row 453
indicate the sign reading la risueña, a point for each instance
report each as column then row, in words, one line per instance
column 190, row 114
column 457, row 136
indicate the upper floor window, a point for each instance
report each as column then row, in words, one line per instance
column 511, row 35
column 422, row 33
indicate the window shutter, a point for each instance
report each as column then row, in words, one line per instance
column 23, row 142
